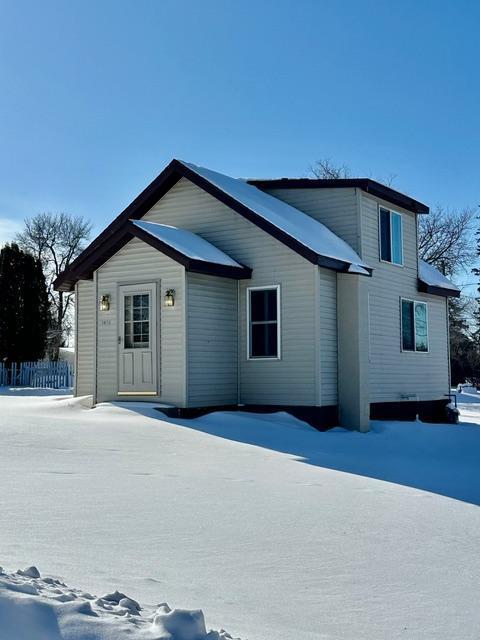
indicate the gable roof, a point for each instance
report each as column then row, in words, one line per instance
column 373, row 187
column 301, row 233
column 431, row 280
column 296, row 229
column 194, row 252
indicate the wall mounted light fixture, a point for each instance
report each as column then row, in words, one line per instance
column 105, row 302
column 169, row 298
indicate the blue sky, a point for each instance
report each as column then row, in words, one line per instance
column 96, row 97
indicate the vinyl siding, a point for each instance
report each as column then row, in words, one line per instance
column 85, row 304
column 137, row 262
column 212, row 352
column 328, row 337
column 290, row 380
column 393, row 373
column 337, row 209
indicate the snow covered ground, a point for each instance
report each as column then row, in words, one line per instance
column 33, row 607
column 275, row 531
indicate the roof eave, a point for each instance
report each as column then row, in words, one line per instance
column 191, row 264
column 437, row 291
column 340, row 265
column 135, row 210
column 112, row 238
column 368, row 185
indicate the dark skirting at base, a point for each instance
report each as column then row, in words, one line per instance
column 426, row 410
column 322, row 418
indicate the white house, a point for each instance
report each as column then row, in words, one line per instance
column 302, row 294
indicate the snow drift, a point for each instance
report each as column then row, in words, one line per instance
column 33, row 607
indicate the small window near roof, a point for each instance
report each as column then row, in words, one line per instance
column 414, row 326
column 263, row 322
column 391, row 236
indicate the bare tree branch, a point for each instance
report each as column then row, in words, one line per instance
column 327, row 170
column 56, row 239
column 446, row 239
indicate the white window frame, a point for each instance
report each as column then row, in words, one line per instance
column 275, row 287
column 414, row 350
column 396, row 213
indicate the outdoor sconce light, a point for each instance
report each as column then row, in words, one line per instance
column 105, row 302
column 169, row 297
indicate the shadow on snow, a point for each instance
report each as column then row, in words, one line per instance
column 439, row 458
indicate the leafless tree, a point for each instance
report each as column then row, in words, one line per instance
column 326, row 169
column 388, row 181
column 56, row 239
column 446, row 239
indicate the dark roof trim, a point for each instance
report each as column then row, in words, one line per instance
column 338, row 265
column 265, row 225
column 250, row 215
column 98, row 251
column 366, row 184
column 81, row 267
column 99, row 254
column 127, row 232
column 190, row 264
column 438, row 291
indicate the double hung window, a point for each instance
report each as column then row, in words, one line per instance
column 263, row 316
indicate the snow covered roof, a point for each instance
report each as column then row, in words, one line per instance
column 300, row 232
column 433, row 280
column 188, row 243
column 189, row 249
column 301, row 227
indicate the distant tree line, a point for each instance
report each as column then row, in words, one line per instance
column 24, row 308
column 36, row 320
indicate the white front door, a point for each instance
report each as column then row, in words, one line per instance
column 137, row 339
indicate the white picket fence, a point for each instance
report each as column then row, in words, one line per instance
column 45, row 374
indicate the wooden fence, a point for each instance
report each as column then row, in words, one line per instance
column 45, row 374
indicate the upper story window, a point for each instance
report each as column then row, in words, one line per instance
column 263, row 314
column 391, row 236
column 414, row 325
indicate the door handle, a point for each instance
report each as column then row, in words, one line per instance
column 119, row 339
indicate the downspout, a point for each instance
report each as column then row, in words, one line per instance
column 317, row 283
column 186, row 289
column 238, row 341
column 75, row 355
column 448, row 346
column 95, row 346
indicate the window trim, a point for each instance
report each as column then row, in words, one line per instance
column 415, row 350
column 275, row 287
column 390, row 211
column 131, row 322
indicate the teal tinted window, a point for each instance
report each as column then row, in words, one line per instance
column 421, row 329
column 397, row 248
column 414, row 326
column 408, row 329
column 391, row 237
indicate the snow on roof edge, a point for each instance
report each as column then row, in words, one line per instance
column 186, row 242
column 431, row 276
column 306, row 230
